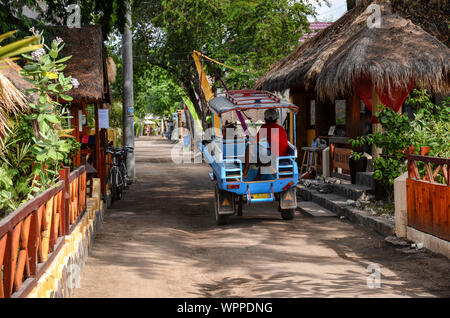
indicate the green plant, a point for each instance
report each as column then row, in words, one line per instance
column 44, row 71
column 19, row 47
column 431, row 125
column 17, row 184
column 394, row 139
column 39, row 144
column 429, row 128
column 357, row 144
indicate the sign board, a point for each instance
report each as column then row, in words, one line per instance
column 340, row 159
column 80, row 121
column 103, row 118
column 331, row 131
column 130, row 111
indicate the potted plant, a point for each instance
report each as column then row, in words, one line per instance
column 357, row 160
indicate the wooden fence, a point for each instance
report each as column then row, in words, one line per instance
column 32, row 235
column 428, row 201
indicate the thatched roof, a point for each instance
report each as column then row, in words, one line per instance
column 88, row 62
column 13, row 99
column 348, row 50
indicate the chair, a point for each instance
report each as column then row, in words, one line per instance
column 312, row 158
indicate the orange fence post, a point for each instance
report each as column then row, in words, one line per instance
column 33, row 242
column 65, row 206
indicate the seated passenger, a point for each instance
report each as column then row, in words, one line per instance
column 275, row 134
column 276, row 137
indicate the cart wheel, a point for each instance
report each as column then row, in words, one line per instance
column 240, row 200
column 119, row 193
column 288, row 214
column 220, row 219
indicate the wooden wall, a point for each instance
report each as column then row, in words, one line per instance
column 301, row 99
column 428, row 207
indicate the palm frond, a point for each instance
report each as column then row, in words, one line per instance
column 20, row 47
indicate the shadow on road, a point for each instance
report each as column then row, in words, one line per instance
column 163, row 233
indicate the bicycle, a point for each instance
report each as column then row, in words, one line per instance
column 118, row 174
column 123, row 163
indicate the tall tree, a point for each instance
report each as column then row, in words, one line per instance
column 128, row 97
column 249, row 35
column 109, row 14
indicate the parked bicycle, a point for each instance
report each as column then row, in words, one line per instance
column 118, row 173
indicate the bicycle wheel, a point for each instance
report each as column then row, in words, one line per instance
column 113, row 181
column 121, row 182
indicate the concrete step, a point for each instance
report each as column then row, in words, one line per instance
column 342, row 206
column 314, row 209
column 352, row 191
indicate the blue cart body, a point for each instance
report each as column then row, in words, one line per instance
column 227, row 157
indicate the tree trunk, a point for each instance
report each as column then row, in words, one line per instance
column 128, row 98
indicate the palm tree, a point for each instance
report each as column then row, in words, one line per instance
column 29, row 44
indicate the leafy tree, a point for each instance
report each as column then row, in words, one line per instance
column 32, row 155
column 430, row 127
column 157, row 93
column 109, row 14
column 249, row 35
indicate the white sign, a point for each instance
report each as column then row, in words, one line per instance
column 103, row 118
column 80, row 120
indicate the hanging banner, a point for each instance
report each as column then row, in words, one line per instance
column 393, row 97
column 191, row 109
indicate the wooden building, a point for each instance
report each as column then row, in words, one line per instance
column 89, row 66
column 340, row 76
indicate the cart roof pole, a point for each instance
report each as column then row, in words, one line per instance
column 206, row 87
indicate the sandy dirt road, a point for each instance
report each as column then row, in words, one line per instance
column 161, row 241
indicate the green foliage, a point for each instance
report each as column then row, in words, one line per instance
column 429, row 128
column 34, row 152
column 19, row 47
column 116, row 115
column 17, row 184
column 357, row 144
column 431, row 125
column 109, row 14
column 157, row 93
column 247, row 35
column 45, row 73
column 394, row 140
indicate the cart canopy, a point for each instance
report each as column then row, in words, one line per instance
column 247, row 99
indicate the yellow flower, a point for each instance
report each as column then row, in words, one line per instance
column 51, row 75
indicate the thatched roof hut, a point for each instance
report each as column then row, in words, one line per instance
column 88, row 62
column 393, row 55
column 13, row 99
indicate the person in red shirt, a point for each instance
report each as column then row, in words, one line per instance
column 275, row 134
column 276, row 137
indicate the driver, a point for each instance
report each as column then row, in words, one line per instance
column 274, row 134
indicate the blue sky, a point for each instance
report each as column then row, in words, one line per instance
column 325, row 13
